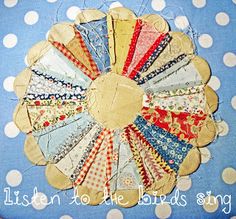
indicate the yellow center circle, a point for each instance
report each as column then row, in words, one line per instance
column 114, row 100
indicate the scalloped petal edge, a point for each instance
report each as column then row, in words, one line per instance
column 61, row 32
column 89, row 15
column 33, row 152
column 21, row 118
column 159, row 22
column 56, row 178
column 21, row 82
column 37, row 51
column 121, row 13
column 190, row 163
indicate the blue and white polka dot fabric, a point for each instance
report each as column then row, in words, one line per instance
column 211, row 24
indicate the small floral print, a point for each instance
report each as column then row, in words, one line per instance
column 46, row 124
column 62, row 117
column 127, row 180
column 37, row 103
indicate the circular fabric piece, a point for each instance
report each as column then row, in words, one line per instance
column 114, row 100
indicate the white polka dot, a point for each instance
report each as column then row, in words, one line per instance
column 229, row 59
column 51, row 1
column 11, row 130
column 10, row 3
column 31, row 17
column 205, row 154
column 205, row 41
column 233, row 102
column 234, row 1
column 46, row 35
column 222, row 18
column 163, row 210
column 211, row 204
column 72, row 12
column 214, row 83
column 116, row 5
column 14, row 178
column 184, row 183
column 158, row 5
column 66, row 217
column 8, row 83
column 223, row 128
column 26, row 61
column 229, row 175
column 10, row 40
column 181, row 22
column 39, row 201
column 199, row 3
column 114, row 213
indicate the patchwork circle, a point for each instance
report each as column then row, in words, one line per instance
column 115, row 105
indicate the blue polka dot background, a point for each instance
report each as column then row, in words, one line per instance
column 208, row 193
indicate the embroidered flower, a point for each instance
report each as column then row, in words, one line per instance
column 127, row 180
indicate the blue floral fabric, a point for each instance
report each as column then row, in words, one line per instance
column 95, row 36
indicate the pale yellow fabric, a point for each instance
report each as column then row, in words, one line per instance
column 190, row 163
column 56, row 178
column 74, row 46
column 37, row 51
column 127, row 198
column 95, row 197
column 163, row 186
column 111, row 40
column 61, row 32
column 21, row 118
column 203, row 68
column 21, row 82
column 212, row 100
column 33, row 152
column 89, row 15
column 114, row 100
column 207, row 133
column 121, row 13
column 122, row 34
